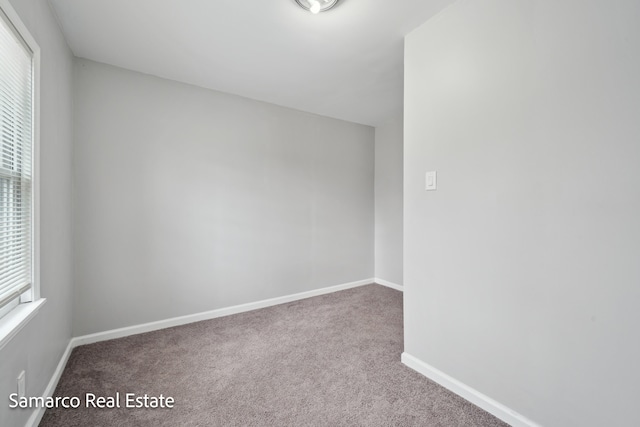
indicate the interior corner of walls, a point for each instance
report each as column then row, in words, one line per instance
column 388, row 284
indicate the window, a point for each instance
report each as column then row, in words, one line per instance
column 18, row 144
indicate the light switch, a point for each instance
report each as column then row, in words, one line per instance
column 432, row 183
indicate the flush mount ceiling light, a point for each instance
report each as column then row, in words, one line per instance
column 316, row 6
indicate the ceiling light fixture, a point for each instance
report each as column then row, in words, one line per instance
column 316, row 6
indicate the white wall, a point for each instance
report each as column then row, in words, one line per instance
column 388, row 200
column 38, row 347
column 188, row 200
column 522, row 270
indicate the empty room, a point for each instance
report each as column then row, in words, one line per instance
column 319, row 213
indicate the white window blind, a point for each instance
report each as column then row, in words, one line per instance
column 16, row 140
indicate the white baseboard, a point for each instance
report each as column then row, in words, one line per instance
column 207, row 315
column 389, row 284
column 495, row 408
column 38, row 413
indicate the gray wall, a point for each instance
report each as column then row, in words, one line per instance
column 188, row 200
column 38, row 347
column 388, row 203
column 522, row 270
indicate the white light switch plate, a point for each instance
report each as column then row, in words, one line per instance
column 431, row 181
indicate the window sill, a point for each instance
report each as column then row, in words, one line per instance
column 15, row 320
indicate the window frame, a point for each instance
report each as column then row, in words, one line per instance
column 14, row 318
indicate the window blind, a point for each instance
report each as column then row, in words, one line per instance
column 16, row 134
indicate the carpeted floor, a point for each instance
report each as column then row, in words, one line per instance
column 332, row 360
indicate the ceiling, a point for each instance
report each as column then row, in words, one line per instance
column 345, row 63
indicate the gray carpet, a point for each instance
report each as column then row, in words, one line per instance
column 332, row 360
